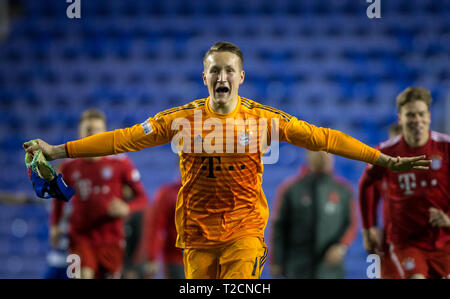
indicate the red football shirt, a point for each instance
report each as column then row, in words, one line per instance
column 96, row 183
column 162, row 234
column 410, row 194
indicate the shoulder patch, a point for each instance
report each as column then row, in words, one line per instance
column 147, row 127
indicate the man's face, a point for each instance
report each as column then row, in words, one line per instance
column 320, row 162
column 223, row 75
column 90, row 127
column 415, row 119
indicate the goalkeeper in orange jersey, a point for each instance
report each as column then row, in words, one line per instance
column 221, row 210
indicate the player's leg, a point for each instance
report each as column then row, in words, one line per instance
column 411, row 262
column 418, row 276
column 243, row 259
column 201, row 263
column 110, row 258
column 87, row 273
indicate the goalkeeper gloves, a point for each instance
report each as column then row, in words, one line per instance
column 46, row 183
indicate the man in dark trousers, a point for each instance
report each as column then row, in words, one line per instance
column 314, row 222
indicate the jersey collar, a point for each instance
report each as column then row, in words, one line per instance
column 418, row 148
column 220, row 115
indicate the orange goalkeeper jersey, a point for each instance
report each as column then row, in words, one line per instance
column 221, row 199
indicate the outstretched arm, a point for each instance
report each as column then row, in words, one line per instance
column 303, row 134
column 114, row 142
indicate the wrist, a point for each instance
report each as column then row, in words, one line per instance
column 385, row 160
column 58, row 151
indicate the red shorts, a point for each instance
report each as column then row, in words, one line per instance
column 388, row 268
column 106, row 261
column 411, row 260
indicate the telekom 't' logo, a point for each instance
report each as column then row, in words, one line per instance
column 407, row 182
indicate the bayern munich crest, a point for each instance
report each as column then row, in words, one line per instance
column 244, row 139
column 409, row 264
column 107, row 173
column 436, row 163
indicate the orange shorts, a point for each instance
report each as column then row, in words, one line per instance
column 106, row 261
column 242, row 259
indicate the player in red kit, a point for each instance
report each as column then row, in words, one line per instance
column 418, row 203
column 162, row 234
column 96, row 222
column 377, row 192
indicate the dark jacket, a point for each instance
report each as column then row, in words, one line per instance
column 313, row 212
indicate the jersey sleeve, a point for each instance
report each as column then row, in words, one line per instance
column 301, row 133
column 154, row 131
column 132, row 178
column 369, row 195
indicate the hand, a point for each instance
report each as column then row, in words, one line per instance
column 51, row 152
column 118, row 208
column 403, row 164
column 276, row 270
column 151, row 269
column 372, row 240
column 55, row 235
column 335, row 254
column 438, row 218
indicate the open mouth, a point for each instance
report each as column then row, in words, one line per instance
column 222, row 89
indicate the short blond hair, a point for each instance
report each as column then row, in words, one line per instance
column 225, row 47
column 412, row 94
